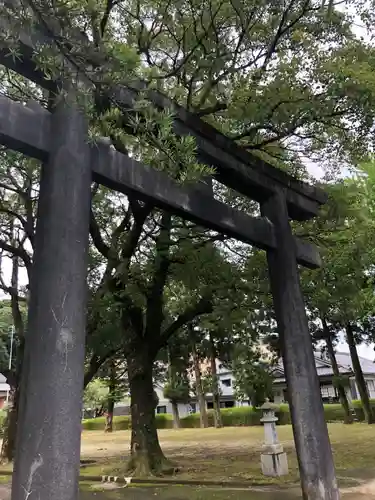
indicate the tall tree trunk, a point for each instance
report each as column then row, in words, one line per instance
column 147, row 457
column 172, row 382
column 215, row 385
column 360, row 379
column 198, row 384
column 336, row 372
column 176, row 415
column 111, row 397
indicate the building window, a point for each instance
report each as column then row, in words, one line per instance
column 161, row 409
column 371, row 385
column 327, row 392
column 227, row 382
column 193, row 408
column 229, row 404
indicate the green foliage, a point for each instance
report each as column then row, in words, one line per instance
column 178, row 393
column 341, row 381
column 95, row 395
column 6, row 324
column 253, row 380
column 163, row 421
column 177, row 387
column 341, row 291
column 231, row 417
column 240, row 66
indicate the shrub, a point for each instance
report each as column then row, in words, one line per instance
column 123, row 423
column 3, row 422
column 97, row 424
column 357, row 405
column 193, row 421
column 241, row 416
column 231, row 417
column 164, row 421
column 334, row 413
column 283, row 414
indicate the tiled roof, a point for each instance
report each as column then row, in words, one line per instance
column 324, row 368
column 344, row 360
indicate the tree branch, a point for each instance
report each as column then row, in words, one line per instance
column 19, row 252
column 219, row 106
column 103, row 23
column 10, row 290
column 96, row 362
column 204, row 306
column 96, row 236
column 154, row 311
column 14, row 300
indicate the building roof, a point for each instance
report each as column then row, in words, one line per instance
column 4, row 387
column 344, row 360
column 324, row 367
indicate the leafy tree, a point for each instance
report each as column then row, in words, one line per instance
column 199, row 387
column 113, row 375
column 341, row 292
column 253, row 378
column 177, row 386
column 95, row 396
column 329, row 334
column 177, row 391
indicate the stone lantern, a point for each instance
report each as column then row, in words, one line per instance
column 273, row 458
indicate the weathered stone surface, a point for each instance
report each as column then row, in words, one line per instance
column 48, row 446
column 27, row 129
column 23, row 129
column 274, row 464
column 314, row 452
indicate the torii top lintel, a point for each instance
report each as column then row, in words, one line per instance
column 234, row 166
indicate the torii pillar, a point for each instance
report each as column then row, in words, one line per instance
column 48, row 445
column 317, row 471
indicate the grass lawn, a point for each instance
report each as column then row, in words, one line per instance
column 229, row 453
column 186, row 493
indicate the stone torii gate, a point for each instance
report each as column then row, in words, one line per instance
column 48, row 446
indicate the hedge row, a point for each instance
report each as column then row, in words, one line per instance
column 232, row 417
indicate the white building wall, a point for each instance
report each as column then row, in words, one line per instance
column 370, row 382
column 165, row 406
column 226, row 384
column 278, row 396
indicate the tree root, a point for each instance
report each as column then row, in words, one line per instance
column 143, row 465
